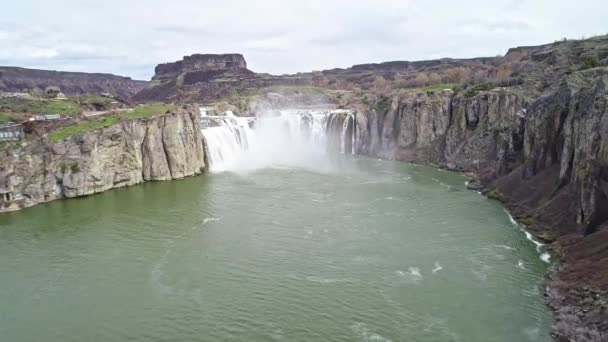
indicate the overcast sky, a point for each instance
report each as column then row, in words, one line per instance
column 129, row 37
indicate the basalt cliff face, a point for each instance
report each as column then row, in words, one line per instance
column 127, row 153
column 198, row 78
column 546, row 157
column 14, row 79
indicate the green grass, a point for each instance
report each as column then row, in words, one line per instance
column 472, row 91
column 4, row 118
column 149, row 110
column 144, row 111
column 435, row 88
column 64, row 107
column 383, row 105
column 95, row 100
column 82, row 127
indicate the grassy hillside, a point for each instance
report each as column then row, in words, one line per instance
column 16, row 105
column 89, row 125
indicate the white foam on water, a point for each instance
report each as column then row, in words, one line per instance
column 210, row 219
column 437, row 267
column 509, row 248
column 546, row 257
column 536, row 243
column 322, row 280
column 415, row 272
column 520, row 265
column 363, row 333
column 513, row 221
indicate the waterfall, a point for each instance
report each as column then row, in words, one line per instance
column 287, row 138
column 341, row 131
column 226, row 139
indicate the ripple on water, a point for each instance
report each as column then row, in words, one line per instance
column 389, row 255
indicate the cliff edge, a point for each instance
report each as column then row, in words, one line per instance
column 129, row 152
column 545, row 157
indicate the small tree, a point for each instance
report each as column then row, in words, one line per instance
column 379, row 84
column 434, row 78
column 51, row 92
column 421, row 80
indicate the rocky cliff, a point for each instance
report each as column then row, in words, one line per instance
column 14, row 79
column 200, row 78
column 127, row 153
column 546, row 157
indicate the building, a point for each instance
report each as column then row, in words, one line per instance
column 46, row 117
column 61, row 96
column 15, row 95
column 11, row 132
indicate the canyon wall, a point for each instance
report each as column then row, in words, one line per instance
column 200, row 77
column 546, row 158
column 14, row 79
column 127, row 153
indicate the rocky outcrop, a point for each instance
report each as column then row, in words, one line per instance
column 200, row 77
column 199, row 63
column 14, row 79
column 546, row 158
column 445, row 128
column 127, row 153
column 559, row 189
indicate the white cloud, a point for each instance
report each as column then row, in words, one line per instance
column 279, row 36
column 43, row 53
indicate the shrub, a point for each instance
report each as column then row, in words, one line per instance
column 75, row 168
column 480, row 87
column 590, row 62
column 383, row 104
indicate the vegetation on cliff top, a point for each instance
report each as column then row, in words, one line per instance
column 82, row 127
column 17, row 105
column 93, row 100
column 4, row 118
column 149, row 110
column 431, row 89
column 144, row 111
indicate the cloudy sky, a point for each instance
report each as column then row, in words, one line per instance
column 129, row 37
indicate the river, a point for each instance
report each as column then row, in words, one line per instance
column 356, row 250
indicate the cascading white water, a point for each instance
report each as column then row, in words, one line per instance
column 288, row 138
column 226, row 138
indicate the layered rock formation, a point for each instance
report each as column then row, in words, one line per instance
column 199, row 77
column 546, row 158
column 128, row 153
column 14, row 79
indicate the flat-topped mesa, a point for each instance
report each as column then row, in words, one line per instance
column 199, row 78
column 201, row 62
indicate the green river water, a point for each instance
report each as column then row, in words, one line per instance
column 380, row 251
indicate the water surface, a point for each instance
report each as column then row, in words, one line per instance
column 379, row 251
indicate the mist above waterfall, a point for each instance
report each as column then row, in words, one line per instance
column 315, row 140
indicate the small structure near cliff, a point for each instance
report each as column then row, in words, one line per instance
column 98, row 154
column 11, row 132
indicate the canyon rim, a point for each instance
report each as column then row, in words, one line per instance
column 528, row 130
